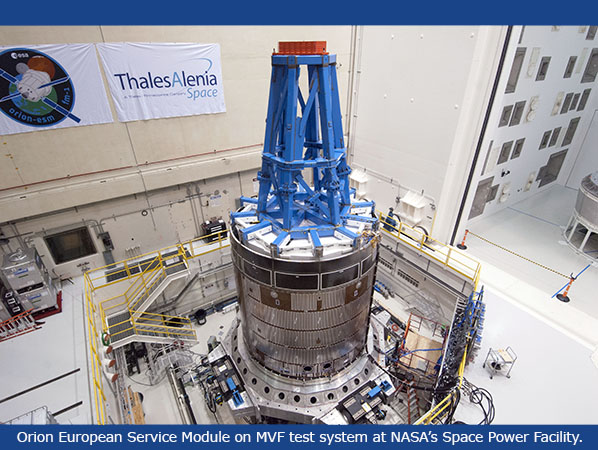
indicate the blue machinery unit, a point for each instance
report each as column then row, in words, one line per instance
column 304, row 135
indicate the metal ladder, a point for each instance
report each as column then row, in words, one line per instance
column 413, row 412
column 16, row 326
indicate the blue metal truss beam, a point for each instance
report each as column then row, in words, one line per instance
column 280, row 239
column 243, row 214
column 304, row 133
column 347, row 232
column 249, row 200
column 363, row 204
column 359, row 218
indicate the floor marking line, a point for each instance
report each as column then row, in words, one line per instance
column 585, row 268
column 534, row 217
column 18, row 394
column 68, row 408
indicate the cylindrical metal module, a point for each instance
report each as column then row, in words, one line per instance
column 586, row 204
column 305, row 318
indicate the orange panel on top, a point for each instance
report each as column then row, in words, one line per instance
column 302, row 48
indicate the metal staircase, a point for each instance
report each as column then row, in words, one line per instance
column 127, row 321
column 125, row 328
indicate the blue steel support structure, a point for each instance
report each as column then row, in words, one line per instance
column 303, row 134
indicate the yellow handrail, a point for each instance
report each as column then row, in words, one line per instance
column 180, row 330
column 96, row 365
column 189, row 246
column 171, row 330
column 144, row 313
column 463, row 265
column 143, row 280
column 433, row 413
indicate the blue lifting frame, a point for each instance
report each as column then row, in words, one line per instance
column 304, row 134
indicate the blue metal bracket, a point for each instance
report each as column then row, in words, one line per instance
column 346, row 217
column 253, row 228
column 374, row 391
column 248, row 200
column 237, row 399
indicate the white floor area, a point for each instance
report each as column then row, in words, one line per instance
column 533, row 228
column 553, row 381
column 57, row 348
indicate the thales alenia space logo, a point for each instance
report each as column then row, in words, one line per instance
column 34, row 89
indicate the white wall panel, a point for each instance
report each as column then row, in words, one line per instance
column 421, row 94
column 540, row 42
column 41, row 156
column 412, row 81
column 170, row 218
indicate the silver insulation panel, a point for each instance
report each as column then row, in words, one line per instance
column 305, row 319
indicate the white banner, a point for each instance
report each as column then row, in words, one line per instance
column 150, row 81
column 51, row 86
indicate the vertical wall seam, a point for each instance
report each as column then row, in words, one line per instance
column 483, row 131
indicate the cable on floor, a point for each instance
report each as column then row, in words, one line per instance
column 483, row 398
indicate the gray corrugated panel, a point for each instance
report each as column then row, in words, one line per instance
column 121, row 334
column 118, row 318
column 175, row 268
column 119, row 326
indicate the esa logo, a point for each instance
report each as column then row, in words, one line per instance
column 34, row 89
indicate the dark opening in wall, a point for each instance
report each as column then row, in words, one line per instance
column 554, row 137
column 584, row 99
column 518, row 148
column 571, row 129
column 70, row 245
column 545, row 139
column 550, row 172
column 589, row 75
column 570, row 67
column 515, row 70
column 567, row 102
column 505, row 151
column 492, row 193
column 481, row 195
column 517, row 113
column 574, row 102
column 543, row 70
column 505, row 116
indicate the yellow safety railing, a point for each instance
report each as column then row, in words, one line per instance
column 185, row 331
column 447, row 255
column 192, row 249
column 439, row 411
column 456, row 261
column 158, row 317
column 99, row 397
column 137, row 284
